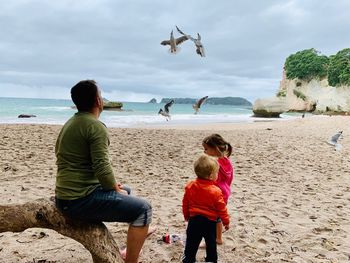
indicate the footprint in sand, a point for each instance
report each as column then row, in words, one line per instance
column 262, row 241
column 228, row 242
column 320, row 230
column 329, row 245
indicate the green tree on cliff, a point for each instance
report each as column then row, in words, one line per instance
column 306, row 64
column 339, row 68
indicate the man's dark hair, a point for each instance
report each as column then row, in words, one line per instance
column 84, row 94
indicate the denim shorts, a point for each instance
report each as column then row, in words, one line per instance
column 107, row 206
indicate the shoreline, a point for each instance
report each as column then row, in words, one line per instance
column 220, row 125
column 290, row 199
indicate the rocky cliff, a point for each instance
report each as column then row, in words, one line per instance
column 311, row 82
column 315, row 96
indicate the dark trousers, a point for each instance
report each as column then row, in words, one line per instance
column 200, row 227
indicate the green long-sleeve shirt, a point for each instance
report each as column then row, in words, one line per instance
column 82, row 157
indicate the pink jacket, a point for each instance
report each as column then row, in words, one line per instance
column 225, row 177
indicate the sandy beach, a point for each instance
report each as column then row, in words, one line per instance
column 290, row 201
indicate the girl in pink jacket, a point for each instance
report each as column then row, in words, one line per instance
column 215, row 145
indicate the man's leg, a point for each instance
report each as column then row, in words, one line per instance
column 110, row 206
column 135, row 239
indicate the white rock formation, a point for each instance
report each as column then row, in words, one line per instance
column 317, row 93
column 300, row 95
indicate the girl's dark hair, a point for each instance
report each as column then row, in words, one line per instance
column 84, row 94
column 216, row 141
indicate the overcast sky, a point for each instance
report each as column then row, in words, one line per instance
column 48, row 46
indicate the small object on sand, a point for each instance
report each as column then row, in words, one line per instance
column 165, row 112
column 334, row 140
column 174, row 42
column 198, row 104
column 197, row 42
column 172, row 238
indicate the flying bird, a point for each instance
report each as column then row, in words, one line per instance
column 197, row 42
column 165, row 112
column 334, row 140
column 198, row 104
column 174, row 42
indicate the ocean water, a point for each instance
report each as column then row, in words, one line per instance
column 134, row 114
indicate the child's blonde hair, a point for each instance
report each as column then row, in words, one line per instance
column 205, row 165
column 216, row 141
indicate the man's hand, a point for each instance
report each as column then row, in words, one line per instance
column 119, row 189
column 227, row 227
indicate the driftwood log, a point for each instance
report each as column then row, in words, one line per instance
column 42, row 213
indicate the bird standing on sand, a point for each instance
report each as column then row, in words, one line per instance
column 174, row 42
column 196, row 41
column 198, row 104
column 165, row 112
column 334, row 140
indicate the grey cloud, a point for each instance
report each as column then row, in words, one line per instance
column 53, row 44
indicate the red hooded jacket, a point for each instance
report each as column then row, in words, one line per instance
column 203, row 197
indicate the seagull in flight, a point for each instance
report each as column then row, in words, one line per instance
column 165, row 112
column 197, row 42
column 174, row 42
column 198, row 104
column 334, row 140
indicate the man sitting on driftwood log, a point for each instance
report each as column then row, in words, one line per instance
column 85, row 185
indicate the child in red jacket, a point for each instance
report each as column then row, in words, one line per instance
column 202, row 204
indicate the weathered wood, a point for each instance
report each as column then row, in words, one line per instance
column 43, row 213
